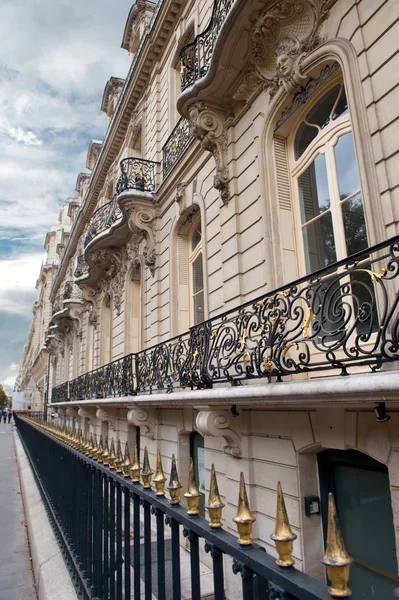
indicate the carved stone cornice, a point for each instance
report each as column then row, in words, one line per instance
column 107, row 415
column 210, row 128
column 282, row 37
column 217, row 423
column 143, row 418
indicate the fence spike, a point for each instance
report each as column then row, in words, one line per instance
column 112, row 455
column 283, row 535
column 159, row 478
column 174, row 485
column 90, row 449
column 95, row 447
column 215, row 504
column 105, row 454
column 126, row 462
column 193, row 493
column 119, row 458
column 336, row 558
column 244, row 517
column 146, row 471
column 100, row 450
column 135, row 468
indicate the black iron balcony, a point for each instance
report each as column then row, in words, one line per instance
column 82, row 267
column 195, row 57
column 72, row 291
column 176, row 144
column 343, row 316
column 102, row 219
column 113, row 380
column 137, row 174
column 59, row 393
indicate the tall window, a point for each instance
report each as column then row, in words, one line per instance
column 330, row 215
column 196, row 273
column 133, row 324
column 106, row 331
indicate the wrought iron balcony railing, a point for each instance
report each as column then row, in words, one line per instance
column 59, row 393
column 345, row 315
column 195, row 57
column 72, row 291
column 82, row 268
column 113, row 380
column 137, row 174
column 176, row 144
column 102, row 219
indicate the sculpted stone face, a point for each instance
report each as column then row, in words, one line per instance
column 284, row 65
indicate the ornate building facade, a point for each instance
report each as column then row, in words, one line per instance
column 205, row 305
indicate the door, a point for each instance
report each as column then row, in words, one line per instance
column 361, row 489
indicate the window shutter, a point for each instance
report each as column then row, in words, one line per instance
column 183, row 260
column 282, row 173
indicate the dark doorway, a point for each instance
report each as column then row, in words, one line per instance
column 360, row 486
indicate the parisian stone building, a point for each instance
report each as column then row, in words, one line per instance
column 205, row 305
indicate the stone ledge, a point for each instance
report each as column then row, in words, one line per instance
column 53, row 581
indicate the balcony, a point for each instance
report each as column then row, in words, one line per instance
column 196, row 57
column 176, row 144
column 137, row 174
column 82, row 268
column 335, row 320
column 58, row 304
column 102, row 219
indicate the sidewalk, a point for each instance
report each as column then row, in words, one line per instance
column 16, row 580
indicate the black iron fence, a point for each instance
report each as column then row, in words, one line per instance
column 343, row 316
column 196, row 56
column 112, row 528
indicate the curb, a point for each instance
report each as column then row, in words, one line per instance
column 53, row 581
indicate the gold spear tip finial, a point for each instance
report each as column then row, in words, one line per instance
column 159, row 478
column 174, row 484
column 336, row 557
column 193, row 494
column 112, row 455
column 244, row 517
column 215, row 504
column 105, row 454
column 135, row 468
column 119, row 458
column 126, row 461
column 283, row 535
column 146, row 471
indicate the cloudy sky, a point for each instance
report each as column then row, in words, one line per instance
column 55, row 59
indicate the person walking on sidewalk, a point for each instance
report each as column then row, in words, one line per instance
column 9, row 415
column 5, row 415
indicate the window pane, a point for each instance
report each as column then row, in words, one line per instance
column 198, row 275
column 354, row 225
column 313, row 189
column 196, row 239
column 342, row 105
column 304, row 136
column 319, row 243
column 321, row 111
column 348, row 178
column 199, row 308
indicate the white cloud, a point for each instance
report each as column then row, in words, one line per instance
column 8, row 383
column 13, row 367
column 22, row 135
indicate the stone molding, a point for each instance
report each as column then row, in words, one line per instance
column 217, row 423
column 281, row 38
column 210, row 128
column 141, row 222
column 87, row 413
column 107, row 415
column 143, row 417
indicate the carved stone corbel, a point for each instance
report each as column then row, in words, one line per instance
column 107, row 415
column 87, row 413
column 143, row 417
column 217, row 423
column 89, row 303
column 142, row 224
column 209, row 126
column 72, row 411
column 180, row 197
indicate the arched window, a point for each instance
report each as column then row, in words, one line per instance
column 325, row 182
column 133, row 311
column 106, row 331
column 89, row 345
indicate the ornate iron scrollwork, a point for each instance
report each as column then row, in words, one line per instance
column 82, row 268
column 176, row 144
column 102, row 219
column 196, row 57
column 136, row 174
